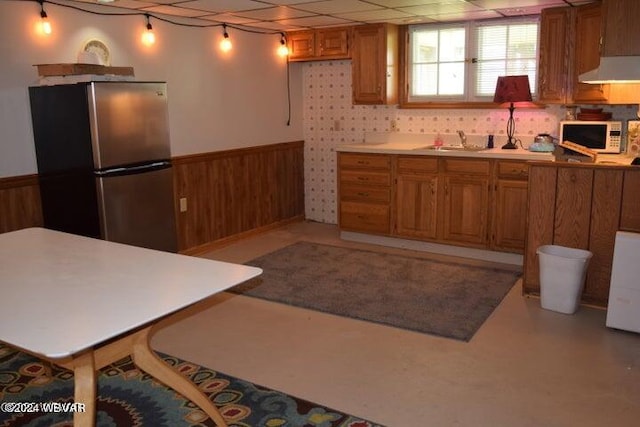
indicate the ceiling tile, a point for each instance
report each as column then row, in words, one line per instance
column 441, row 8
column 222, row 6
column 313, row 21
column 274, row 13
column 334, row 7
column 228, row 18
column 466, row 16
column 175, row 11
column 405, row 3
column 374, row 15
column 508, row 4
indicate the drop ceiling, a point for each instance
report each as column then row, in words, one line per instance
column 288, row 15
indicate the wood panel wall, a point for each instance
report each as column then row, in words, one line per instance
column 19, row 203
column 580, row 206
column 228, row 193
column 233, row 192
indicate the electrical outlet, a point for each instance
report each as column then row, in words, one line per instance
column 393, row 126
column 183, row 204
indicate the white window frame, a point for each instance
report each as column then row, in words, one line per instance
column 471, row 51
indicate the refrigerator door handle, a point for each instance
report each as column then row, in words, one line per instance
column 130, row 170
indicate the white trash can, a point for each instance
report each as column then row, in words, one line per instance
column 562, row 274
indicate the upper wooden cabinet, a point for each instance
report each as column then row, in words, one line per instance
column 553, row 77
column 375, row 64
column 588, row 49
column 621, row 27
column 570, row 44
column 322, row 44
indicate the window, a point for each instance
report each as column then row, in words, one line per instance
column 461, row 62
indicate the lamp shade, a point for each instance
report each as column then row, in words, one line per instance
column 512, row 89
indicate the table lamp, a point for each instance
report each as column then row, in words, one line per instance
column 512, row 89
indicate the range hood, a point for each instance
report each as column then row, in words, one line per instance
column 614, row 69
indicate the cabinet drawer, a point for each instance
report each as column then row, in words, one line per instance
column 364, row 193
column 364, row 177
column 417, row 165
column 469, row 167
column 364, row 161
column 364, row 217
column 513, row 170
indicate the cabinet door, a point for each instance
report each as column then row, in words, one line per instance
column 630, row 214
column 622, row 30
column 368, row 64
column 541, row 213
column 465, row 209
column 510, row 224
column 332, row 43
column 587, row 53
column 554, row 53
column 605, row 221
column 416, row 207
column 301, row 45
column 573, row 207
column 374, row 64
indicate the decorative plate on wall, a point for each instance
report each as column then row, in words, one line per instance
column 99, row 49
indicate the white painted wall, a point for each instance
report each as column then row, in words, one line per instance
column 216, row 101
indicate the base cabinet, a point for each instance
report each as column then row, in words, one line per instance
column 510, row 206
column 478, row 203
column 417, row 197
column 364, row 192
column 580, row 206
column 465, row 201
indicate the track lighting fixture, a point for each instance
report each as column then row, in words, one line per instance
column 45, row 25
column 225, row 43
column 148, row 37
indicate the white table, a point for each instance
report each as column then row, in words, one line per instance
column 84, row 303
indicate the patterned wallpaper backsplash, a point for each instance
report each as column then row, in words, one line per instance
column 330, row 120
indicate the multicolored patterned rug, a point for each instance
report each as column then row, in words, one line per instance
column 129, row 397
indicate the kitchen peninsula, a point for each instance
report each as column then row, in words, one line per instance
column 480, row 201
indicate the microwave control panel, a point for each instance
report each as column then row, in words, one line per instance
column 615, row 135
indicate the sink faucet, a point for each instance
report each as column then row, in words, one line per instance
column 463, row 138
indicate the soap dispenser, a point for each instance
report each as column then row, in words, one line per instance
column 438, row 141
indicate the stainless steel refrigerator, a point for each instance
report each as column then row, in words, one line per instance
column 104, row 161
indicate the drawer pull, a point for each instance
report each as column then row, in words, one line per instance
column 363, row 178
column 363, row 162
column 363, row 194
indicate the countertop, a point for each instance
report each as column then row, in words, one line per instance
column 396, row 143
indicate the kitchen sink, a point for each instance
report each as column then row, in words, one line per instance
column 450, row 148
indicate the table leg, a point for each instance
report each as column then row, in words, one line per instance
column 84, row 372
column 144, row 357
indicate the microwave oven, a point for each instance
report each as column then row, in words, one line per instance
column 601, row 137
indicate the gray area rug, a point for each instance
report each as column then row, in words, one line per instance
column 442, row 298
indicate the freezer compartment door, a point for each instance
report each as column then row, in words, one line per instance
column 138, row 209
column 129, row 122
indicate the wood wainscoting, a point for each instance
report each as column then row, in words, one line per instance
column 229, row 194
column 20, row 203
column 234, row 192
